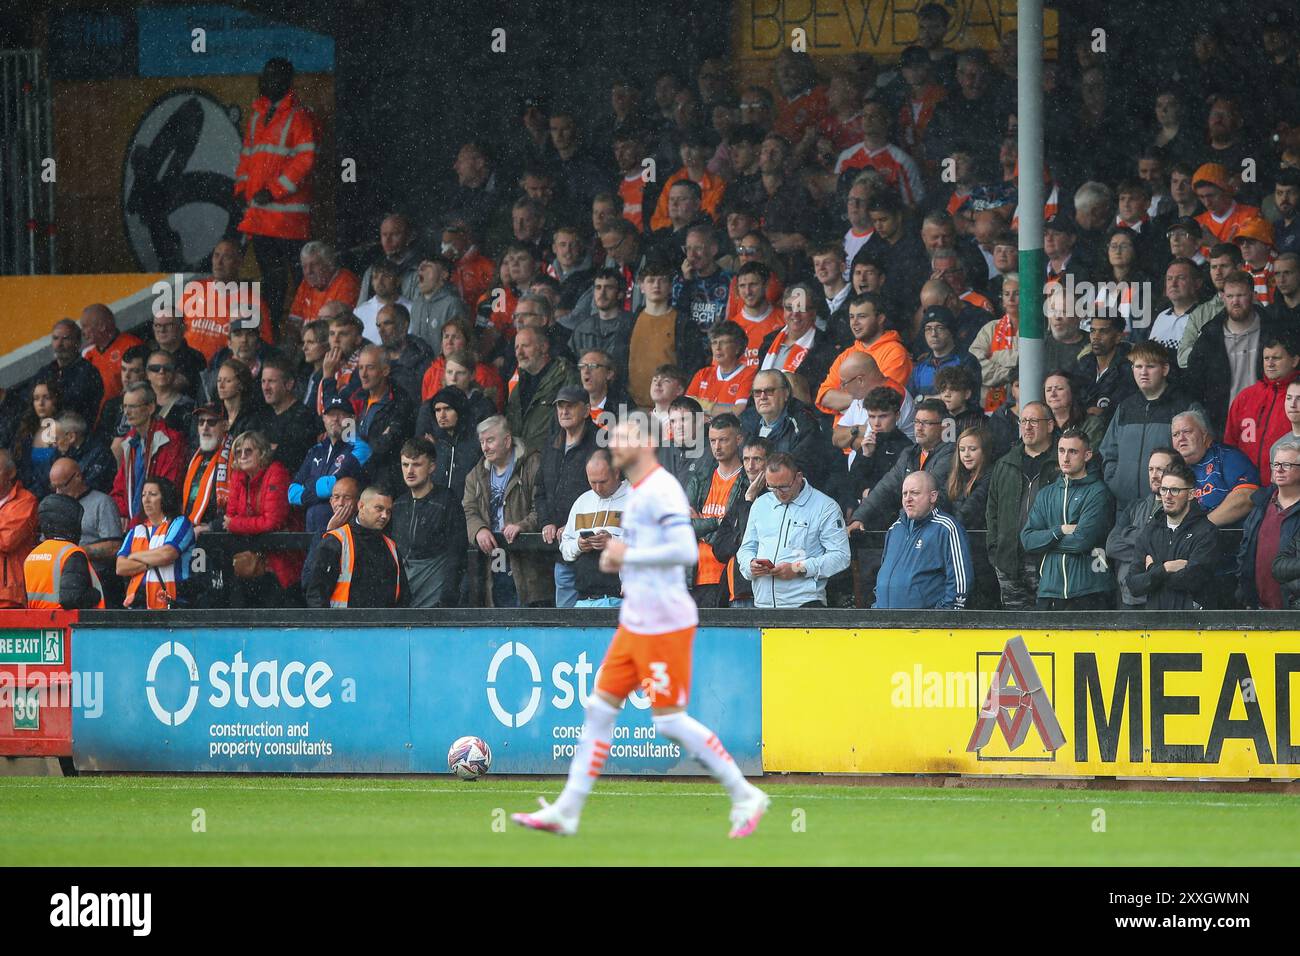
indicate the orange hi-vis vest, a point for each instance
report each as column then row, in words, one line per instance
column 43, row 573
column 143, row 540
column 347, row 564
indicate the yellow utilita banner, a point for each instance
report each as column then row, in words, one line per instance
column 762, row 28
column 1199, row 704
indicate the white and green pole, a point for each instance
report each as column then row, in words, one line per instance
column 1029, row 191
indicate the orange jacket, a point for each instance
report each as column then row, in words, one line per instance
column 473, row 275
column 279, row 155
column 711, row 189
column 17, row 538
column 207, row 320
column 891, row 357
column 108, row 363
column 308, row 300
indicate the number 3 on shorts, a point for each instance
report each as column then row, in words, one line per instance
column 657, row 683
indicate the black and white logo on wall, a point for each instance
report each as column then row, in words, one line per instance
column 178, row 178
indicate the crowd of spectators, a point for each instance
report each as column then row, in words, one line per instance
column 809, row 286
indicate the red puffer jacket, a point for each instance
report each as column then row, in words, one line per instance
column 260, row 505
column 1257, row 418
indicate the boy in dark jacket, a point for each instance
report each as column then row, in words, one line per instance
column 1177, row 552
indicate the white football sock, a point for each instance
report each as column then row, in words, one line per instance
column 589, row 757
column 704, row 745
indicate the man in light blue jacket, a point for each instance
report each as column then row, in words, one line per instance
column 795, row 540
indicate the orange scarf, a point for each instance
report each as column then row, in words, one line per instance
column 794, row 358
column 1004, row 337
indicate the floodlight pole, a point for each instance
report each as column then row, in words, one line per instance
column 1029, row 188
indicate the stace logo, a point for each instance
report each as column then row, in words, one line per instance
column 573, row 683
column 1026, row 697
column 505, row 652
column 264, row 684
column 164, row 651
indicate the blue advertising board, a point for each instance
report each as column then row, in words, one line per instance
column 230, row 42
column 386, row 700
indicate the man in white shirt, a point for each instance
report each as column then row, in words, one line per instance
column 1183, row 290
column 385, row 278
column 595, row 519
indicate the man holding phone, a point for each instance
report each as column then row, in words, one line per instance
column 595, row 519
column 795, row 540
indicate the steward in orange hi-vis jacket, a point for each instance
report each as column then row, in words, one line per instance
column 274, row 179
column 275, row 168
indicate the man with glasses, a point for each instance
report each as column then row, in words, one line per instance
column 189, row 363
column 599, row 378
column 1269, row 529
column 1131, row 520
column 174, row 407
column 207, row 479
column 931, row 453
column 790, row 425
column 150, row 449
column 1177, row 552
column 795, row 540
column 1066, row 530
column 946, row 265
column 1018, row 477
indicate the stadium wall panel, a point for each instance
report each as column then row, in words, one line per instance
column 1134, row 703
column 384, row 699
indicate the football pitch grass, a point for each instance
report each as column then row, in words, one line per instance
column 274, row 821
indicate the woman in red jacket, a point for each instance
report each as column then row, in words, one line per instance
column 259, row 504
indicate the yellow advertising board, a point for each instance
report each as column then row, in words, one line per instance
column 1198, row 704
column 762, row 28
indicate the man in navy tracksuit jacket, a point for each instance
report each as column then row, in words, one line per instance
column 927, row 561
column 326, row 462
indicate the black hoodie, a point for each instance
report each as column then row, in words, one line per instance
column 458, row 451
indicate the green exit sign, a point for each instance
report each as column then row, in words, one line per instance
column 31, row 647
column 27, row 708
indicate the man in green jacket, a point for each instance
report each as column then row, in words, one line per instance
column 540, row 378
column 1067, row 527
column 1018, row 477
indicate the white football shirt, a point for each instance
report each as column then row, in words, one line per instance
column 661, row 549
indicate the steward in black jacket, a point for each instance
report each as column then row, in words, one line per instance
column 378, row 579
